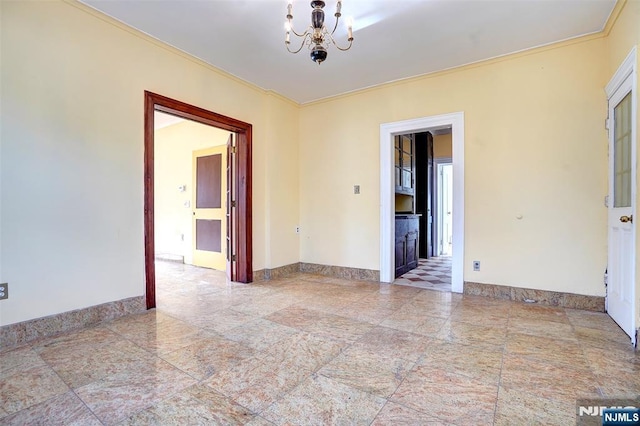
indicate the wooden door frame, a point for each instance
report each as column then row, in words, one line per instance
column 242, row 179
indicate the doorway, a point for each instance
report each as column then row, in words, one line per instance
column 238, row 213
column 444, row 207
column 388, row 131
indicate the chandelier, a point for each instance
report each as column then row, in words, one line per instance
column 317, row 37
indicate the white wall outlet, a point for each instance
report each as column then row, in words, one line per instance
column 476, row 265
column 297, row 229
column 356, row 189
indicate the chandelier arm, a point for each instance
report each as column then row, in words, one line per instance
column 344, row 49
column 304, row 41
column 335, row 27
column 295, row 33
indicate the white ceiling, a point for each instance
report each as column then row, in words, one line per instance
column 162, row 120
column 394, row 39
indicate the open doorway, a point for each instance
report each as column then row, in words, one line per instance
column 189, row 187
column 444, row 207
column 238, row 232
column 423, row 208
column 388, row 133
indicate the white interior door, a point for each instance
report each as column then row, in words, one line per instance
column 622, row 195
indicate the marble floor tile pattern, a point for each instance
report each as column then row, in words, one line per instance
column 313, row 350
column 433, row 273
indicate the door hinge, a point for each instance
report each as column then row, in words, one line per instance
column 606, row 123
column 233, row 203
column 233, row 257
column 233, row 149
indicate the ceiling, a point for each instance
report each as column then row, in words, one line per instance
column 393, row 39
column 162, row 120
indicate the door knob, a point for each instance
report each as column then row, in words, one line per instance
column 625, row 219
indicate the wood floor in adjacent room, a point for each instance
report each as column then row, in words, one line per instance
column 312, row 350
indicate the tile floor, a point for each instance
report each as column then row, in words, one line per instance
column 312, row 350
column 433, row 273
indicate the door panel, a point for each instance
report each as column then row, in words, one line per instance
column 622, row 178
column 208, row 235
column 209, row 209
column 209, row 181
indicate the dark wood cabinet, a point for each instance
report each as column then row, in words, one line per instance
column 405, row 164
column 407, row 243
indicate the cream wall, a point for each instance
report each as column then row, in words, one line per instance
column 534, row 146
column 73, row 87
column 624, row 35
column 442, row 146
column 173, row 164
column 281, row 183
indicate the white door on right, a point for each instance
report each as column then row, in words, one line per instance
column 622, row 193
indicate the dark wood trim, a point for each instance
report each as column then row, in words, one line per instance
column 149, row 237
column 242, row 177
column 244, row 203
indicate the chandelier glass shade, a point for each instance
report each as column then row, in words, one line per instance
column 317, row 37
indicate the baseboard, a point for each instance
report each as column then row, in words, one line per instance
column 275, row 273
column 539, row 297
column 314, row 268
column 341, row 272
column 27, row 331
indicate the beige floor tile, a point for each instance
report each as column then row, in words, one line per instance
column 538, row 312
column 79, row 368
column 197, row 405
column 25, row 386
column 394, row 343
column 367, row 371
column 450, row 397
column 487, row 316
column 116, row 397
column 219, row 321
column 548, row 380
column 339, row 328
column 259, row 381
column 589, row 319
column 472, row 334
column 18, row 359
column 545, row 348
column 595, row 337
column 542, row 328
column 296, row 316
column 207, row 356
column 260, row 334
column 398, row 415
column 322, row 401
column 478, row 362
column 65, row 409
column 524, row 408
column 414, row 323
column 432, row 308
